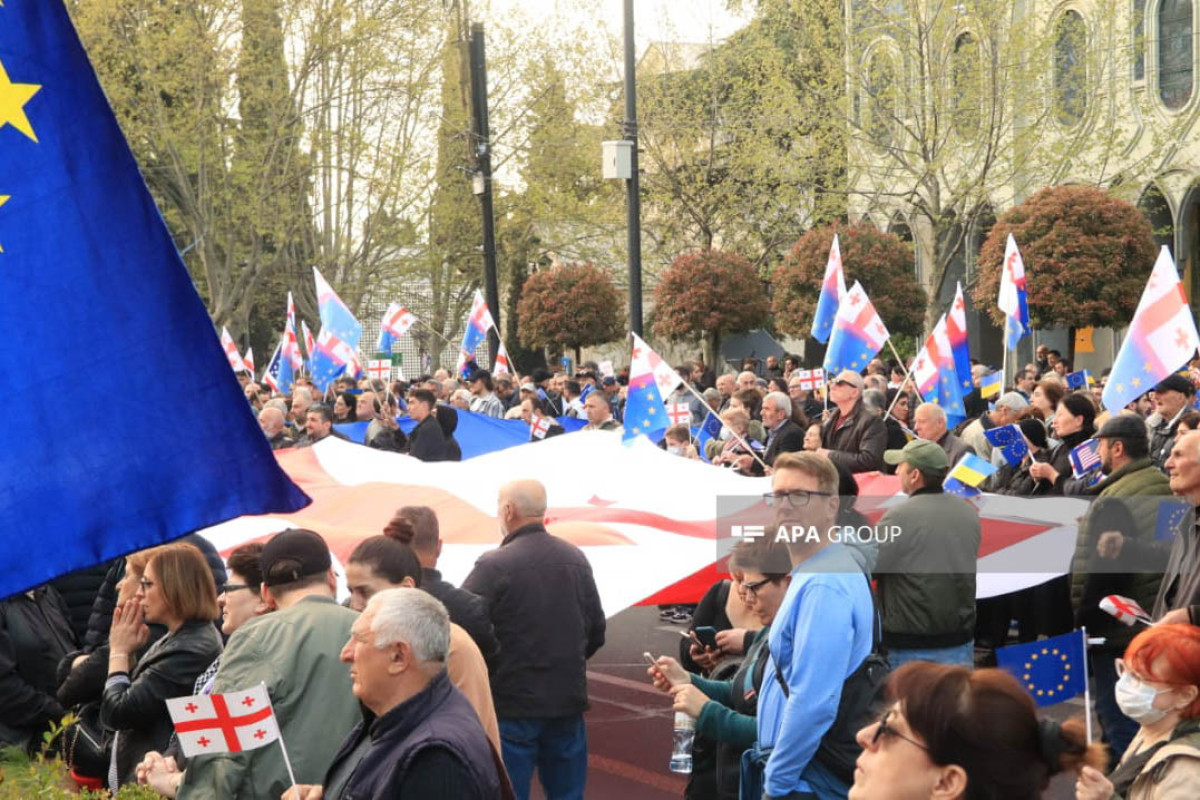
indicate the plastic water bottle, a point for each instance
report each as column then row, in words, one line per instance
column 681, row 753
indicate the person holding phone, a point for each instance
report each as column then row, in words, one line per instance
column 725, row 710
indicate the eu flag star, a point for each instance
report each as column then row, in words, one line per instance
column 13, row 97
column 3, row 199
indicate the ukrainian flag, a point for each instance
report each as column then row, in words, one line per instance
column 990, row 385
column 971, row 470
column 1052, row 670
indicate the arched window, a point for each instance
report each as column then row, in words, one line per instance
column 1070, row 47
column 1176, row 67
column 967, row 95
column 881, row 97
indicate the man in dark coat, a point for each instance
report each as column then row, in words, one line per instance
column 783, row 435
column 853, row 437
column 34, row 636
column 426, row 441
column 543, row 601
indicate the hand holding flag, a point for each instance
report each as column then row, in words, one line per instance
column 1010, row 441
column 1126, row 611
column 224, row 723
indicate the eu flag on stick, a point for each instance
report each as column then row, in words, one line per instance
column 85, row 250
column 1051, row 670
column 1010, row 441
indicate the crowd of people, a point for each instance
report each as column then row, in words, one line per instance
column 839, row 668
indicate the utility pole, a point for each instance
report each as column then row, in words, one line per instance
column 634, row 202
column 481, row 180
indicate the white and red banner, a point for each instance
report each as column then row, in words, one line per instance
column 224, row 723
column 646, row 520
column 810, row 379
column 679, row 414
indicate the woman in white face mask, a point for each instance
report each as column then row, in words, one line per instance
column 1159, row 687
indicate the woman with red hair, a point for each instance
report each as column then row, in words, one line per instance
column 1159, row 688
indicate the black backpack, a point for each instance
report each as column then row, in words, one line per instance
column 862, row 694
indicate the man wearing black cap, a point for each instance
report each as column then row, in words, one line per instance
column 1172, row 398
column 294, row 651
column 1127, row 503
column 483, row 395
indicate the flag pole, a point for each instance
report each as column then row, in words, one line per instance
column 732, row 432
column 1087, row 692
column 907, row 377
column 287, row 762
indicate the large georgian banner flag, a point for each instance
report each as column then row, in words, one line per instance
column 85, row 256
column 646, row 520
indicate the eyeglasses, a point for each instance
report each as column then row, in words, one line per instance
column 751, row 589
column 796, row 498
column 146, row 585
column 885, row 729
column 234, row 587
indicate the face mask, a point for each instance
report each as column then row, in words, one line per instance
column 675, row 450
column 1136, row 700
column 725, row 435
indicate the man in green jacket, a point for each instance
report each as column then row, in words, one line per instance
column 294, row 651
column 927, row 562
column 1127, row 503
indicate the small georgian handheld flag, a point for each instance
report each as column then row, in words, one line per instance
column 248, row 361
column 1125, row 610
column 680, row 413
column 224, row 723
column 540, row 427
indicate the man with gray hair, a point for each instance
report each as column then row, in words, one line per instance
column 544, row 604
column 929, row 422
column 302, row 400
column 1008, row 407
column 270, row 419
column 419, row 737
column 783, row 435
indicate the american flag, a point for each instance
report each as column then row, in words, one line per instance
column 1085, row 457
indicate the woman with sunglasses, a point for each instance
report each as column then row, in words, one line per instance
column 954, row 734
column 1158, row 687
column 724, row 710
column 177, row 591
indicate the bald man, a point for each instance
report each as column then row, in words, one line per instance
column 271, row 420
column 543, row 602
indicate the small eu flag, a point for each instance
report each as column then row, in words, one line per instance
column 1174, row 517
column 959, row 489
column 1009, row 440
column 1052, row 670
column 1079, row 381
column 711, row 429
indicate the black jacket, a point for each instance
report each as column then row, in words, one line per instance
column 426, row 441
column 858, row 444
column 788, row 439
column 137, row 709
column 543, row 602
column 34, row 635
column 78, row 590
column 468, row 611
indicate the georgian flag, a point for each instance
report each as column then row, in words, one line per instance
column 680, row 414
column 1125, row 610
column 541, row 427
column 231, row 351
column 224, row 723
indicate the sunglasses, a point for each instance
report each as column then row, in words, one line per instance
column 883, row 729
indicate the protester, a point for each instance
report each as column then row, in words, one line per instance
column 1172, row 399
column 447, row 420
column 176, row 591
column 812, row 437
column 426, row 441
column 783, row 435
column 929, row 423
column 852, row 437
column 1008, row 406
column 897, row 420
column 271, row 420
column 724, row 710
column 483, row 395
column 538, row 415
column 1158, row 688
column 730, row 450
column 383, row 562
column 1016, row 480
column 1045, row 398
column 678, row 442
column 34, row 636
column 820, row 637
column 546, row 610
column 1073, row 424
column 418, row 737
column 302, row 400
column 1127, row 502
column 926, row 573
column 598, row 413
column 290, row 651
column 953, row 734
column 318, row 425
column 345, row 408
column 417, row 527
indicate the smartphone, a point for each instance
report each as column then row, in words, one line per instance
column 707, row 636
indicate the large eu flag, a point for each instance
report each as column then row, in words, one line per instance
column 124, row 425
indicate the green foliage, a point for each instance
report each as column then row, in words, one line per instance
column 572, row 305
column 706, row 294
column 1087, row 257
column 881, row 262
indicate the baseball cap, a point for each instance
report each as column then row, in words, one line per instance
column 919, row 453
column 293, row 554
column 528, row 387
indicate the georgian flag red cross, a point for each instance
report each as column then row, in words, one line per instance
column 224, row 723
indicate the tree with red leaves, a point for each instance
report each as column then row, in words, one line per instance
column 706, row 294
column 571, row 305
column 881, row 262
column 1087, row 258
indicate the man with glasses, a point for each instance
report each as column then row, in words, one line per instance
column 820, row 636
column 926, row 571
column 853, row 437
